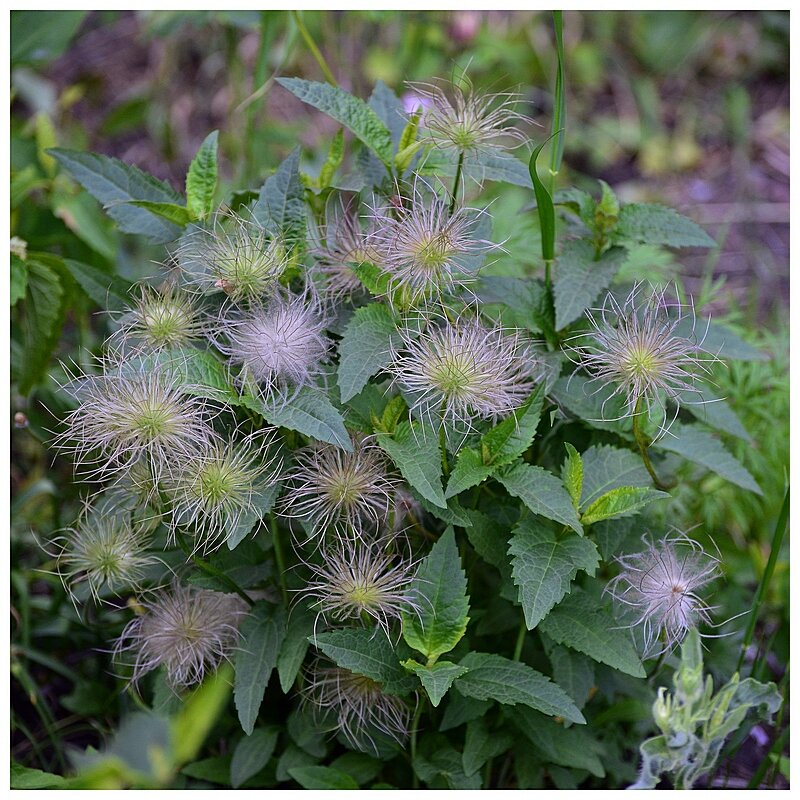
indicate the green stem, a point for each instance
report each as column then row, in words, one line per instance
column 279, row 561
column 213, row 571
column 414, row 732
column 457, row 182
column 443, row 447
column 312, row 46
column 761, row 593
column 642, row 442
column 523, row 629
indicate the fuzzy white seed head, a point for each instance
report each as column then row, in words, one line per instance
column 333, row 489
column 356, row 706
column 132, row 415
column 358, row 579
column 425, row 250
column 658, row 590
column 188, row 631
column 281, row 346
column 213, row 494
column 464, row 371
column 645, row 349
column 105, row 551
column 160, row 319
column 458, row 119
column 344, row 244
column 236, row 256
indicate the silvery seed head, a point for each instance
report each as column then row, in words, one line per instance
column 464, row 370
column 160, row 319
column 133, row 413
column 344, row 244
column 645, row 350
column 458, row 119
column 212, row 494
column 281, row 346
column 361, row 580
column 357, row 705
column 107, row 550
column 334, row 489
column 658, row 589
column 426, row 251
column 186, row 630
column 236, row 256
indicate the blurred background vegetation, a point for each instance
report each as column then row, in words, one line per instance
column 685, row 108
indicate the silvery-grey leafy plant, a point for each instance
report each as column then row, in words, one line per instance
column 344, row 437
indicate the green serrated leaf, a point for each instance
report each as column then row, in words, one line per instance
column 606, row 468
column 579, row 278
column 719, row 339
column 333, row 161
column 310, row 412
column 414, row 448
column 115, row 184
column 252, row 754
column 319, row 777
column 541, row 492
column 624, row 501
column 436, row 678
column 714, row 411
column 440, row 588
column 544, row 565
column 575, row 671
column 366, row 348
column 281, row 207
column 261, row 503
column 489, row 165
column 469, row 470
column 570, row 747
column 263, row 631
column 389, row 108
column 366, row 652
column 351, row 112
column 19, row 279
column 177, row 215
column 201, row 179
column 703, row 448
column 572, row 474
column 655, row 224
column 107, row 289
column 492, row 677
column 509, row 439
column 578, row 622
column 27, row 778
column 481, row 744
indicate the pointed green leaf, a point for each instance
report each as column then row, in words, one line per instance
column 578, row 622
column 366, row 652
column 177, row 215
column 366, row 348
column 319, row 777
column 389, row 108
column 624, row 501
column 252, row 754
column 654, row 224
column 436, row 678
column 295, row 646
column 107, row 289
column 492, row 677
column 544, row 207
column 715, row 412
column 541, row 492
column 115, row 184
column 414, row 448
column 572, row 474
column 440, row 589
column 468, row 471
column 509, row 439
column 19, row 279
column 281, row 207
column 262, row 632
column 351, row 112
column 544, row 565
column 481, row 744
column 703, row 448
column 201, row 179
column 606, row 468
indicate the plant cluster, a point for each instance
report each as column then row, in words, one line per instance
column 341, row 419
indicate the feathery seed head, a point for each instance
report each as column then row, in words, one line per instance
column 236, row 256
column 129, row 414
column 464, row 370
column 640, row 348
column 345, row 491
column 214, row 492
column 425, row 251
column 189, row 631
column 357, row 704
column 106, row 550
column 458, row 119
column 659, row 587
column 357, row 579
column 161, row 319
column 281, row 347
